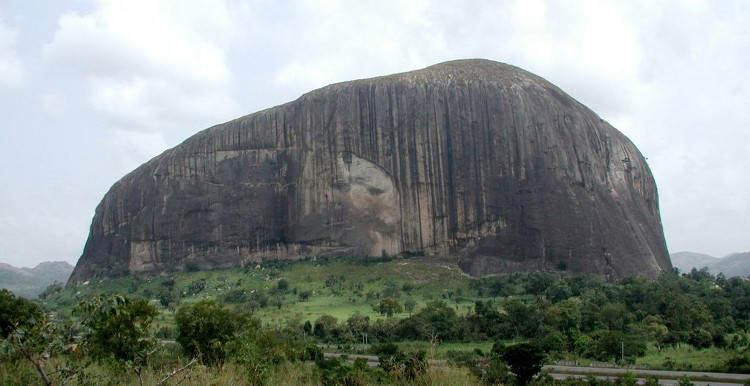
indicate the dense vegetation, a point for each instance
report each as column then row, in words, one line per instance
column 260, row 324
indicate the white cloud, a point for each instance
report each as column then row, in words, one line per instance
column 134, row 148
column 11, row 70
column 53, row 105
column 339, row 40
column 672, row 75
column 153, row 67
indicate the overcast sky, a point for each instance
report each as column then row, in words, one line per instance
column 90, row 89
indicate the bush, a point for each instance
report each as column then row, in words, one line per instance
column 466, row 359
column 17, row 312
column 118, row 327
column 259, row 351
column 524, row 359
column 608, row 345
column 738, row 364
column 326, row 328
column 398, row 365
column 282, row 285
column 305, row 295
column 204, row 328
column 701, row 338
column 53, row 289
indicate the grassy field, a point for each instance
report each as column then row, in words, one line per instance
column 339, row 288
column 685, row 357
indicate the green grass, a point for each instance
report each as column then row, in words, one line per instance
column 686, row 357
column 442, row 348
column 340, row 288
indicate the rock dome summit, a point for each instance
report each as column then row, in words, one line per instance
column 471, row 160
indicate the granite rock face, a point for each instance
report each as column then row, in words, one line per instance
column 472, row 159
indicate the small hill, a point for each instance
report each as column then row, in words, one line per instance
column 735, row 264
column 685, row 261
column 30, row 282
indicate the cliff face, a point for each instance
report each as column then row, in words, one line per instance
column 472, row 159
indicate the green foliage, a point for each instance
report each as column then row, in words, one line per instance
column 740, row 363
column 409, row 305
column 51, row 289
column 305, row 295
column 564, row 313
column 196, row 287
column 340, row 372
column 399, row 365
column 497, row 372
column 204, row 329
column 524, row 359
column 389, row 307
column 326, row 329
column 117, row 328
column 685, row 381
column 613, row 345
column 36, row 342
column 627, row 379
column 17, row 312
column 282, row 285
column 258, row 351
column 436, row 317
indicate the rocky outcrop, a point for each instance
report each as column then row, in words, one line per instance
column 472, row 159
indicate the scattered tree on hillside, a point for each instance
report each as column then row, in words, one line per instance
column 389, row 307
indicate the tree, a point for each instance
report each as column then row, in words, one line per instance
column 410, row 304
column 614, row 316
column 325, row 328
column 204, row 328
column 359, row 325
column 613, row 345
column 33, row 337
column 117, row 327
column 389, row 306
column 435, row 318
column 17, row 312
column 524, row 359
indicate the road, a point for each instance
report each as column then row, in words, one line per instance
column 713, row 378
column 666, row 377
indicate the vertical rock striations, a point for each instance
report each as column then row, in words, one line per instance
column 471, row 159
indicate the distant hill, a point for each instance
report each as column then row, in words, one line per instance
column 736, row 264
column 30, row 282
column 685, row 261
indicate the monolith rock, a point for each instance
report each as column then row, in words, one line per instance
column 471, row 160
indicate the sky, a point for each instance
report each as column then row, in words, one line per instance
column 91, row 89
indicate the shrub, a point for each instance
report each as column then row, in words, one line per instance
column 524, row 359
column 17, row 312
column 204, row 328
column 117, row 327
column 282, row 285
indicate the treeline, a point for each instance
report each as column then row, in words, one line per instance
column 575, row 314
column 535, row 315
column 112, row 338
